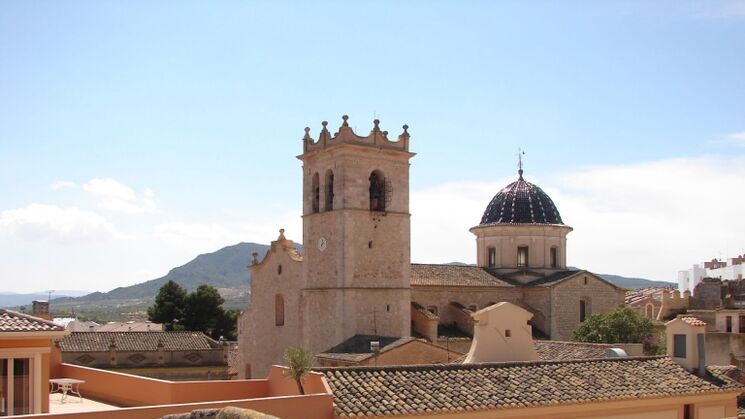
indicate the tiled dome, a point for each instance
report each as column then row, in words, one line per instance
column 521, row 202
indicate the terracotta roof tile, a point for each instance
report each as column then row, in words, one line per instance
column 407, row 390
column 551, row 350
column 428, row 314
column 13, row 321
column 453, row 275
column 136, row 341
column 655, row 293
column 693, row 321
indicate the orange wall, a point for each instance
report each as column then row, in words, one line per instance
column 131, row 390
column 148, row 397
column 24, row 343
column 316, row 406
column 45, row 362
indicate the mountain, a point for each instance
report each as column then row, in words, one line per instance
column 225, row 269
column 12, row 299
column 627, row 282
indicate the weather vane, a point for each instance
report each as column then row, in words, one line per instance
column 520, row 154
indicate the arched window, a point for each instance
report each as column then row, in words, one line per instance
column 584, row 309
column 329, row 191
column 522, row 256
column 554, row 257
column 279, row 310
column 377, row 191
column 316, row 191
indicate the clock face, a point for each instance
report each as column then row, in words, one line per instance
column 322, row 244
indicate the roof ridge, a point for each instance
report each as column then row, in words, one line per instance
column 424, row 367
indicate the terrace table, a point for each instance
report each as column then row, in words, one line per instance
column 65, row 386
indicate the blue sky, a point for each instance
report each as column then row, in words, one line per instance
column 135, row 135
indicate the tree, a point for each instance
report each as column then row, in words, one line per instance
column 199, row 311
column 203, row 310
column 227, row 325
column 169, row 305
column 622, row 325
column 299, row 361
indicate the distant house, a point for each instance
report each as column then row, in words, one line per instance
column 173, row 355
column 25, row 352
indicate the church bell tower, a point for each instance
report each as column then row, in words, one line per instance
column 356, row 235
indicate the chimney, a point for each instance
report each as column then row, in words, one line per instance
column 701, row 343
column 41, row 309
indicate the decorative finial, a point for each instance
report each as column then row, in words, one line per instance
column 307, row 134
column 406, row 127
column 282, row 233
column 256, row 258
column 345, row 117
column 324, row 123
column 377, row 124
column 520, row 154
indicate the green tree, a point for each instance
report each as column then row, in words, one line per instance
column 203, row 310
column 299, row 360
column 227, row 325
column 622, row 325
column 169, row 305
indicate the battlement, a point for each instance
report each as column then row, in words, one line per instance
column 346, row 135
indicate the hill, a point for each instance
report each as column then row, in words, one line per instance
column 630, row 282
column 226, row 270
column 12, row 299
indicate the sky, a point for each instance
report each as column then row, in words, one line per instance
column 137, row 135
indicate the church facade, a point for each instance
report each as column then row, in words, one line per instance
column 354, row 275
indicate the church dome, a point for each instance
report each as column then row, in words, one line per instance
column 521, row 202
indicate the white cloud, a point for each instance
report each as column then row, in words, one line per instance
column 63, row 184
column 115, row 196
column 208, row 237
column 737, row 138
column 52, row 223
column 650, row 219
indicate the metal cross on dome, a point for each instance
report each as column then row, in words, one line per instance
column 520, row 154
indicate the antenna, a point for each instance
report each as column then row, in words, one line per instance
column 49, row 298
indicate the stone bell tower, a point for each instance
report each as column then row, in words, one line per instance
column 356, row 235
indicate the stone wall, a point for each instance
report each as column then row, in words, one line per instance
column 565, row 302
column 261, row 341
column 537, row 300
column 461, row 317
column 724, row 348
column 481, row 297
column 138, row 359
column 424, row 324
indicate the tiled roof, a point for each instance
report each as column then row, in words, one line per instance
column 453, row 275
column 633, row 296
column 13, row 321
column 407, row 390
column 693, row 321
column 521, row 202
column 474, row 276
column 428, row 314
column 357, row 348
column 136, row 341
column 551, row 350
column 727, row 372
column 128, row 327
column 554, row 278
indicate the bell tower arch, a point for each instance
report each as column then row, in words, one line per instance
column 356, row 235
